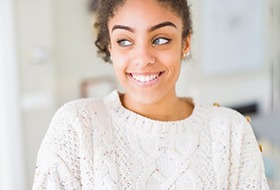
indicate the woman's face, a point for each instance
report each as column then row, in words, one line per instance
column 146, row 48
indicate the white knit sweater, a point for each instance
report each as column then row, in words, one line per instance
column 98, row 144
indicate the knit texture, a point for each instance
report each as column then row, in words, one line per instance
column 98, row 144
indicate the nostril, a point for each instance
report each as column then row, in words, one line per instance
column 144, row 61
column 153, row 61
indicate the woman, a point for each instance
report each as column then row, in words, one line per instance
column 147, row 137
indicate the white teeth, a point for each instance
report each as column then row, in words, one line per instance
column 145, row 78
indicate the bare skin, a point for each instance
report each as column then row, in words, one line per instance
column 147, row 50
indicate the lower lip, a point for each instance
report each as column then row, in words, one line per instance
column 147, row 83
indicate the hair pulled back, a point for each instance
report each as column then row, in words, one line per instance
column 107, row 8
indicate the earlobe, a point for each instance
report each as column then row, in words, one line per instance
column 186, row 46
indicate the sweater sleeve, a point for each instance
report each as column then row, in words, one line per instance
column 250, row 172
column 58, row 160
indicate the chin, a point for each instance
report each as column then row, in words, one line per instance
column 146, row 99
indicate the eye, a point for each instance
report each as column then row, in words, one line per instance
column 161, row 41
column 124, row 42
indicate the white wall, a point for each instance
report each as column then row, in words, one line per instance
column 75, row 50
column 37, row 75
column 11, row 162
column 227, row 88
column 275, row 51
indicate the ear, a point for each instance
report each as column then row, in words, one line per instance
column 186, row 46
column 109, row 47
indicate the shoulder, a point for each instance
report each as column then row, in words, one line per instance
column 223, row 117
column 225, row 125
column 81, row 109
column 77, row 106
column 71, row 121
column 74, row 119
column 86, row 107
column 224, row 113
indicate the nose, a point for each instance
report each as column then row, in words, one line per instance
column 143, row 55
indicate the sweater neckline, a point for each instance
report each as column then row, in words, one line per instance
column 147, row 125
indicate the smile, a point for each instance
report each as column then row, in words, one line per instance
column 145, row 80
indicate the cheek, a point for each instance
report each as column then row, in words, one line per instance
column 172, row 54
column 119, row 73
column 171, row 60
column 120, row 66
column 118, row 57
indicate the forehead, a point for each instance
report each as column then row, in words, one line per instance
column 142, row 13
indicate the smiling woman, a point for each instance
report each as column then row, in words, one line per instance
column 144, row 47
column 147, row 137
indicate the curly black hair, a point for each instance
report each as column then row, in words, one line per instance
column 107, row 8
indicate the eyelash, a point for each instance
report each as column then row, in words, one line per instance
column 123, row 40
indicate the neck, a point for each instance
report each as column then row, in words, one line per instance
column 170, row 108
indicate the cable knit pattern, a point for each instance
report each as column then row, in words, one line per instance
column 98, row 144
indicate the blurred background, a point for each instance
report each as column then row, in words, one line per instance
column 48, row 57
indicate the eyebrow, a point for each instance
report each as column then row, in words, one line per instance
column 122, row 27
column 163, row 24
column 153, row 28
